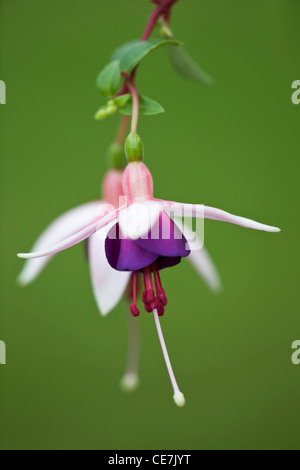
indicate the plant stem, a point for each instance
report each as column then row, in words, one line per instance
column 135, row 107
column 122, row 132
column 151, row 24
column 162, row 9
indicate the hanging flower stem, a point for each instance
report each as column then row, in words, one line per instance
column 122, row 132
column 135, row 107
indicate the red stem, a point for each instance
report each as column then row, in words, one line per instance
column 162, row 9
column 151, row 23
column 122, row 130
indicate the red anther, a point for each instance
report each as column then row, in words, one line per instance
column 159, row 290
column 134, row 310
column 149, row 291
column 144, row 297
column 151, row 301
column 148, row 308
column 160, row 310
column 162, row 297
column 155, row 303
column 150, row 296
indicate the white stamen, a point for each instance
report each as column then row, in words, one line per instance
column 130, row 380
column 178, row 396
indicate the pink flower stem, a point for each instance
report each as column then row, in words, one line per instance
column 135, row 107
column 122, row 132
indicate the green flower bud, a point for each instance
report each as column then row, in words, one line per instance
column 101, row 114
column 116, row 157
column 134, row 148
column 111, row 109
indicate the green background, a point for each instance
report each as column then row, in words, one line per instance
column 234, row 146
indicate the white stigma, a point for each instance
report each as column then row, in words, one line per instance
column 179, row 399
column 129, row 382
column 178, row 396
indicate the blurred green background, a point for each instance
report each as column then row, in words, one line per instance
column 234, row 146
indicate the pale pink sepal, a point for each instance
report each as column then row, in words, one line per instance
column 137, row 182
column 61, row 228
column 108, row 283
column 192, row 210
column 82, row 234
column 204, row 265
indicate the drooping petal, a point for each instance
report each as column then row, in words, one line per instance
column 136, row 221
column 63, row 227
column 200, row 258
column 196, row 210
column 204, row 265
column 165, row 239
column 124, row 254
column 108, row 283
column 77, row 237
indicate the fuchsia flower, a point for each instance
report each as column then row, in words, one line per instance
column 108, row 284
column 139, row 237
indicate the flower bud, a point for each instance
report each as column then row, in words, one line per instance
column 111, row 109
column 116, row 157
column 112, row 187
column 101, row 114
column 134, row 148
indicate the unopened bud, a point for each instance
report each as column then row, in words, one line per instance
column 111, row 109
column 101, row 114
column 116, row 157
column 134, row 148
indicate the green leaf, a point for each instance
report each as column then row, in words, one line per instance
column 187, row 67
column 120, row 101
column 132, row 53
column 109, row 80
column 147, row 107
